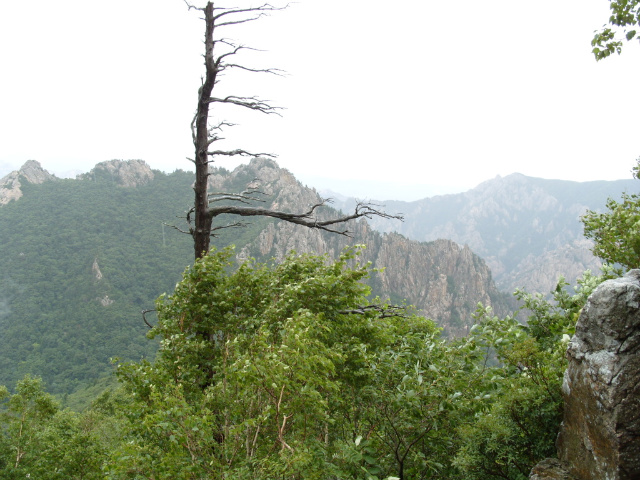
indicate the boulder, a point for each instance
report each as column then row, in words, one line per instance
column 550, row 469
column 600, row 435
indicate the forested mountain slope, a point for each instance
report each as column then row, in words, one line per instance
column 527, row 229
column 79, row 260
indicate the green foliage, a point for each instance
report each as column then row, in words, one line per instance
column 616, row 232
column 82, row 398
column 507, row 440
column 52, row 320
column 22, row 417
column 519, row 423
column 625, row 20
column 268, row 372
column 54, row 323
column 39, row 440
column 278, row 371
column 420, row 388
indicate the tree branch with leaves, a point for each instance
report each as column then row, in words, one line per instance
column 625, row 19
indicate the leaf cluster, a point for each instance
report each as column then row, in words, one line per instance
column 39, row 440
column 625, row 20
column 616, row 232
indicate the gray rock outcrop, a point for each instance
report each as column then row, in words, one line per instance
column 600, row 435
column 125, row 173
column 550, row 469
column 30, row 172
column 443, row 279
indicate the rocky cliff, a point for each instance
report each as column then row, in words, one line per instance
column 124, row 173
column 30, row 172
column 600, row 434
column 527, row 229
column 443, row 279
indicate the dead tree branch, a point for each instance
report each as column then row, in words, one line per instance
column 252, row 103
column 218, row 50
column 144, row 316
column 383, row 311
column 239, row 152
column 243, row 197
column 307, row 219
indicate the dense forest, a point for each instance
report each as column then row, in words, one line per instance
column 80, row 260
column 259, row 368
column 289, row 369
column 305, row 378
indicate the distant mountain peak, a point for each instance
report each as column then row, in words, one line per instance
column 512, row 178
column 265, row 175
column 125, row 173
column 527, row 229
column 31, row 172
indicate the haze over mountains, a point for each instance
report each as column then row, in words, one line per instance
column 80, row 258
column 527, row 229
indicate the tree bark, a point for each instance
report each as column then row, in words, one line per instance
column 204, row 136
column 201, row 232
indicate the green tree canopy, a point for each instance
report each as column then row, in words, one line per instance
column 287, row 371
column 38, row 440
column 616, row 232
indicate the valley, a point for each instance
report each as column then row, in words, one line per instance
column 81, row 258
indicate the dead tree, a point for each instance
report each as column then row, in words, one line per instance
column 218, row 58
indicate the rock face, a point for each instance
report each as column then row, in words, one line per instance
column 550, row 469
column 527, row 229
column 600, row 435
column 125, row 173
column 30, row 172
column 444, row 280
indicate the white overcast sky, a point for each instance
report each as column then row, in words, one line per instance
column 383, row 99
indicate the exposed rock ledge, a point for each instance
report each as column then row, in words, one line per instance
column 600, row 435
column 125, row 173
column 550, row 469
column 31, row 172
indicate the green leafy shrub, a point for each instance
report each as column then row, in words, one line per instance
column 288, row 371
column 519, row 422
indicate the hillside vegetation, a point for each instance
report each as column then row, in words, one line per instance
column 81, row 258
column 286, row 368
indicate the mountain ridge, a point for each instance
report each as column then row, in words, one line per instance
column 73, row 286
column 527, row 229
column 31, row 172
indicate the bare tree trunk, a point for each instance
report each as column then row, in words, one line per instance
column 201, row 229
column 201, row 232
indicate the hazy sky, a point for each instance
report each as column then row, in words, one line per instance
column 383, row 99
